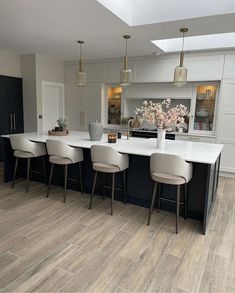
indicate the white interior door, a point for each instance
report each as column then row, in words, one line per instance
column 52, row 104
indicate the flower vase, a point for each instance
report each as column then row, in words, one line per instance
column 161, row 138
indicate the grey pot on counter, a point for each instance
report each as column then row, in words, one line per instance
column 95, row 131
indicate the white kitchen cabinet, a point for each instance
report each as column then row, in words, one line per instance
column 229, row 66
column 161, row 69
column 227, row 121
column 154, row 70
column 75, row 106
column 204, row 68
column 204, row 108
column 112, row 72
column 94, row 72
column 94, row 95
column 83, row 105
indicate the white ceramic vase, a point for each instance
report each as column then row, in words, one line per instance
column 161, row 138
column 95, row 131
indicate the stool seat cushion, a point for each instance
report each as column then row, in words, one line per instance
column 60, row 160
column 24, row 155
column 106, row 168
column 168, row 179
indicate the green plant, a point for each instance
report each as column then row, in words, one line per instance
column 62, row 122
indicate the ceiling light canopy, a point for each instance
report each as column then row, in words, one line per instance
column 80, row 73
column 205, row 42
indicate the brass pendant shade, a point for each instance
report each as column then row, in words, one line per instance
column 80, row 77
column 125, row 74
column 180, row 74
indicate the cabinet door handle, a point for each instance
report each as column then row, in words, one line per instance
column 11, row 121
column 14, row 121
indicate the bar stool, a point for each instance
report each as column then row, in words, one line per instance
column 107, row 160
column 26, row 149
column 173, row 170
column 62, row 154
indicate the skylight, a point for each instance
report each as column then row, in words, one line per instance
column 141, row 12
column 205, row 42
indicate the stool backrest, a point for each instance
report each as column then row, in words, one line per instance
column 170, row 164
column 106, row 155
column 59, row 148
column 19, row 143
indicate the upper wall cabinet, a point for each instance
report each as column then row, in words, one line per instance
column 162, row 70
column 112, row 71
column 205, row 68
column 229, row 66
column 154, row 71
column 94, row 72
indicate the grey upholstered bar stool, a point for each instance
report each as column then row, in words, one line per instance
column 173, row 170
column 26, row 149
column 107, row 160
column 62, row 154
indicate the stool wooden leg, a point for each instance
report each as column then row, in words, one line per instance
column 124, row 186
column 80, row 172
column 177, row 208
column 93, row 190
column 50, row 178
column 152, row 203
column 15, row 170
column 186, row 201
column 44, row 170
column 65, row 181
column 28, row 173
column 113, row 188
column 158, row 197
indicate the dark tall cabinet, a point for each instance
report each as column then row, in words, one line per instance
column 11, row 106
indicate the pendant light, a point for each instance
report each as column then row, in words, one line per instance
column 80, row 73
column 125, row 74
column 180, row 75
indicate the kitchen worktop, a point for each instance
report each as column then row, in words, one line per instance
column 197, row 152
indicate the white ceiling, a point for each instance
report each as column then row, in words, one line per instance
column 53, row 26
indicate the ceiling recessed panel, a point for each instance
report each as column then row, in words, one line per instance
column 141, row 12
column 205, row 42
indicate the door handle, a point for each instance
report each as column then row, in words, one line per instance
column 11, row 125
column 14, row 121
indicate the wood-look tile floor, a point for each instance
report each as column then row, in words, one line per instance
column 49, row 246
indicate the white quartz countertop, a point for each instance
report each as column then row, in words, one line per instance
column 198, row 152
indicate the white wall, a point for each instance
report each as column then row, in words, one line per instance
column 28, row 66
column 35, row 69
column 47, row 69
column 10, row 63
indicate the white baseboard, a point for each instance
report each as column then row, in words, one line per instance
column 227, row 174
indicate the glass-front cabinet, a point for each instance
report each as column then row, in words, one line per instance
column 114, row 105
column 203, row 107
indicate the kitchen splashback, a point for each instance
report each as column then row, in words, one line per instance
column 132, row 104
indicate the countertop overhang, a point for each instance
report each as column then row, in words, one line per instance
column 198, row 152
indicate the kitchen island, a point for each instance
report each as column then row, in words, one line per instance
column 202, row 188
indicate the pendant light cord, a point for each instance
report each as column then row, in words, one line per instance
column 183, row 43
